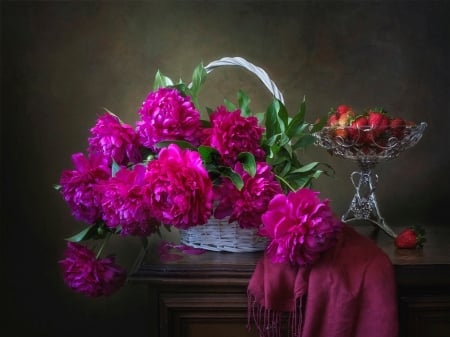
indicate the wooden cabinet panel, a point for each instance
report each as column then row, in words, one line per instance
column 205, row 295
column 425, row 315
column 203, row 314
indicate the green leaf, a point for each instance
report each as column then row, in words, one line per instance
column 285, row 168
column 306, row 167
column 301, row 130
column 272, row 124
column 283, row 117
column 273, row 152
column 86, row 234
column 304, row 142
column 300, row 180
column 244, row 103
column 260, row 116
column 302, row 110
column 161, row 81
column 183, row 89
column 296, row 125
column 329, row 171
column 319, row 125
column 229, row 105
column 317, row 174
column 283, row 140
column 273, row 140
column 248, row 162
column 112, row 114
column 181, row 143
column 235, row 178
column 205, row 124
column 281, row 156
column 198, row 78
column 303, row 182
column 208, row 154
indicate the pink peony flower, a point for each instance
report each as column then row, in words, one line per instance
column 247, row 205
column 300, row 227
column 123, row 204
column 167, row 115
column 86, row 274
column 78, row 186
column 179, row 190
column 115, row 140
column 232, row 134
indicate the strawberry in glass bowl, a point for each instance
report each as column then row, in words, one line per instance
column 367, row 138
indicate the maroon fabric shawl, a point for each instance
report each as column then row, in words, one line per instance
column 349, row 292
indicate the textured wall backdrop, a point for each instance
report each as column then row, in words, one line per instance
column 63, row 61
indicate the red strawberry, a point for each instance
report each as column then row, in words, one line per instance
column 341, row 132
column 332, row 120
column 345, row 117
column 342, row 109
column 412, row 237
column 397, row 126
column 356, row 128
column 379, row 122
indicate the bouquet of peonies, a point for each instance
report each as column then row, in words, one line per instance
column 174, row 169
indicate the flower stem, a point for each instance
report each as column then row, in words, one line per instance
column 105, row 240
column 285, row 182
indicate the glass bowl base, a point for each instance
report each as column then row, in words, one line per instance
column 367, row 209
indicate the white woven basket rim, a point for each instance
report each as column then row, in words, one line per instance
column 243, row 63
column 219, row 235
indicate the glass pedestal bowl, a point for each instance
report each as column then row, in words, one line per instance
column 368, row 147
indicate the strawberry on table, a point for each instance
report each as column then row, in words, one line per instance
column 412, row 237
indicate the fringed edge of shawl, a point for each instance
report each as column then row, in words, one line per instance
column 271, row 323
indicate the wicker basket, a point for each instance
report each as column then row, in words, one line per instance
column 219, row 235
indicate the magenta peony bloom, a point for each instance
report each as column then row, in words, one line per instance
column 247, row 205
column 168, row 115
column 300, row 227
column 179, row 190
column 78, row 186
column 123, row 204
column 86, row 274
column 232, row 134
column 115, row 140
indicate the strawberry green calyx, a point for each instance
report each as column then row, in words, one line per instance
column 420, row 235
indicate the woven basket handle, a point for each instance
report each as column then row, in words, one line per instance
column 259, row 72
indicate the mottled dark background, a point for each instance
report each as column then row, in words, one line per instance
column 63, row 61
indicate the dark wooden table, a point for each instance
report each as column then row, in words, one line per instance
column 205, row 295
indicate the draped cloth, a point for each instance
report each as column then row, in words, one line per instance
column 349, row 292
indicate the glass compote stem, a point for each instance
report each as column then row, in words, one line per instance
column 364, row 204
